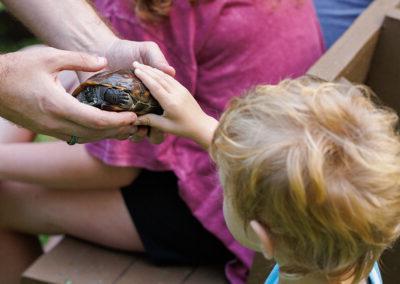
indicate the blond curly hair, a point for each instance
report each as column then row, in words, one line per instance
column 316, row 163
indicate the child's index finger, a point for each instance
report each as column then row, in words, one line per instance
column 156, row 89
column 157, row 75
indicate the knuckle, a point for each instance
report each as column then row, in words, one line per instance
column 46, row 105
column 100, row 124
column 145, row 121
column 151, row 44
column 173, row 105
column 50, row 127
column 107, row 121
column 45, row 51
column 51, row 60
column 158, row 89
column 123, row 136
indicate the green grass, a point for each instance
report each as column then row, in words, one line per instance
column 11, row 46
column 44, row 138
column 43, row 239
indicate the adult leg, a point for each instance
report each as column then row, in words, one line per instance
column 78, row 206
column 99, row 216
column 19, row 249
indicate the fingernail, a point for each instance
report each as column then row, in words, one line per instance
column 135, row 64
column 101, row 60
column 132, row 116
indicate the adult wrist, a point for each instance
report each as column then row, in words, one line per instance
column 97, row 45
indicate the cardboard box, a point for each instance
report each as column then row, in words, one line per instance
column 368, row 53
column 74, row 261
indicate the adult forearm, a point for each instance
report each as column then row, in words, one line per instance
column 66, row 24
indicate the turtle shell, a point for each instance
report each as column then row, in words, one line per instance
column 117, row 91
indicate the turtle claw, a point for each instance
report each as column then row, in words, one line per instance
column 125, row 101
column 107, row 106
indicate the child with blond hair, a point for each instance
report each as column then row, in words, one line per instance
column 310, row 171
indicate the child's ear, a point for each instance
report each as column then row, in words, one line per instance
column 264, row 237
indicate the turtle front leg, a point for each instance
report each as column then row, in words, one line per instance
column 118, row 98
column 109, row 107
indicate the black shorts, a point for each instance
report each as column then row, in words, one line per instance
column 168, row 230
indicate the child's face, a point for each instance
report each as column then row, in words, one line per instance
column 236, row 226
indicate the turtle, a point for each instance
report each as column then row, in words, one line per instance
column 117, row 90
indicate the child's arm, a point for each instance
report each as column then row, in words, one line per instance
column 182, row 114
column 58, row 165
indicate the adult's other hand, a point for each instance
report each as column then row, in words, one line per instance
column 122, row 53
column 32, row 96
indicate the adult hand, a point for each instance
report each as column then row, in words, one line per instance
column 32, row 96
column 121, row 54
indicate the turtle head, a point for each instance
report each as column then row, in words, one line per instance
column 90, row 96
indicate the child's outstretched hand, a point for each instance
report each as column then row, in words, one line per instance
column 182, row 114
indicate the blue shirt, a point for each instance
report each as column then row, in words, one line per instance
column 373, row 278
column 336, row 16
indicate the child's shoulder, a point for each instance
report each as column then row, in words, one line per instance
column 373, row 278
column 375, row 275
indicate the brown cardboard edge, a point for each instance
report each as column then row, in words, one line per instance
column 395, row 13
column 364, row 30
column 27, row 279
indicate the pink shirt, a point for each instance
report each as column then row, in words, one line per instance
column 219, row 49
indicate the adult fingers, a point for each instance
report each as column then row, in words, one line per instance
column 140, row 134
column 120, row 134
column 94, row 118
column 65, row 130
column 153, row 56
column 78, row 61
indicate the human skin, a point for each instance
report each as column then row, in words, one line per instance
column 32, row 96
column 182, row 114
column 74, row 25
column 54, row 188
column 184, row 117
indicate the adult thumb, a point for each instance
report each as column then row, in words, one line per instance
column 153, row 56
